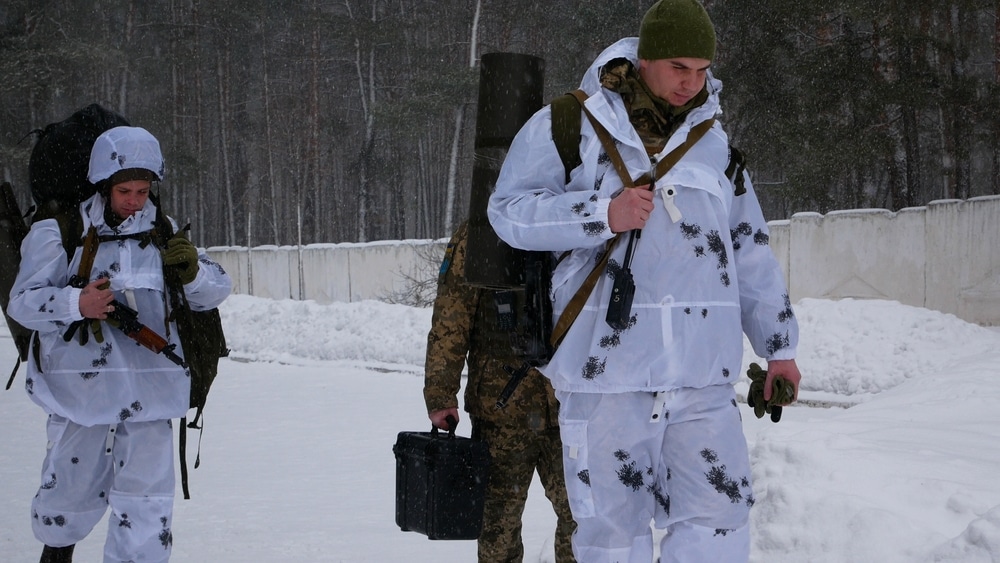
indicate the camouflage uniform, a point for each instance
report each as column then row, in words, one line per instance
column 523, row 437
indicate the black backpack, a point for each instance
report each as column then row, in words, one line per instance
column 57, row 172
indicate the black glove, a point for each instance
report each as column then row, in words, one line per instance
column 182, row 257
column 782, row 393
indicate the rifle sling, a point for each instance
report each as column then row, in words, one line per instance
column 90, row 244
column 579, row 299
column 82, row 278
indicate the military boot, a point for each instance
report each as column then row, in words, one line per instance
column 57, row 554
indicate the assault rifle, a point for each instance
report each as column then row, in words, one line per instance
column 126, row 319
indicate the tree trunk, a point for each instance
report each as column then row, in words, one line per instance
column 272, row 178
column 366, row 90
column 962, row 128
column 198, row 210
column 315, row 178
column 449, row 222
column 946, row 113
column 995, row 176
column 449, row 205
column 222, row 76
column 126, row 47
column 175, row 102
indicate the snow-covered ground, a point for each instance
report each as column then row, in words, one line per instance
column 892, row 457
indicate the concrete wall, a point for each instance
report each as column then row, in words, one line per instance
column 864, row 254
column 326, row 273
column 945, row 256
column 963, row 258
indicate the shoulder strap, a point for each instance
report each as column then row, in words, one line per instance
column 566, row 123
column 162, row 227
column 607, row 142
column 734, row 171
column 79, row 281
column 662, row 167
column 90, row 244
column 579, row 299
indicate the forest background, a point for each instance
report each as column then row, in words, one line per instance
column 354, row 120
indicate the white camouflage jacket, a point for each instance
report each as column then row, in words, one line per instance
column 703, row 276
column 117, row 380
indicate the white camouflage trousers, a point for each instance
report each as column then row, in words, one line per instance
column 128, row 466
column 678, row 458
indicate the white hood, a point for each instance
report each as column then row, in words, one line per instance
column 626, row 49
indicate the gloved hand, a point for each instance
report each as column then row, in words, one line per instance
column 782, row 393
column 182, row 257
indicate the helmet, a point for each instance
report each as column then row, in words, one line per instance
column 125, row 153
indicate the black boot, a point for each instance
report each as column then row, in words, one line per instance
column 57, row 554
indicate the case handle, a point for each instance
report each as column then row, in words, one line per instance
column 452, row 423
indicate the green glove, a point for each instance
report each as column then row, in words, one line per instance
column 782, row 393
column 182, row 257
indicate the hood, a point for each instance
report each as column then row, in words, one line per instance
column 628, row 48
column 93, row 212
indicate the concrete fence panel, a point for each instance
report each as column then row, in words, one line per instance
column 865, row 254
column 236, row 261
column 944, row 256
column 274, row 272
column 388, row 271
column 963, row 250
column 326, row 273
column 779, row 239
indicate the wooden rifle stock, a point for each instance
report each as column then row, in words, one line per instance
column 126, row 319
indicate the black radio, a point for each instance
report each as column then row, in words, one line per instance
column 620, row 304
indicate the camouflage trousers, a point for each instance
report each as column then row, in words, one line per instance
column 517, row 453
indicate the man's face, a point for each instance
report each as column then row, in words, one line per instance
column 675, row 80
column 127, row 198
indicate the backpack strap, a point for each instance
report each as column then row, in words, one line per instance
column 579, row 299
column 566, row 122
column 163, row 230
column 79, row 281
column 144, row 238
column 737, row 164
column 181, row 314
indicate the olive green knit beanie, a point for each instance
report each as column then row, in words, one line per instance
column 676, row 28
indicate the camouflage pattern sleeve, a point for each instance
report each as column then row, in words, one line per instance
column 451, row 327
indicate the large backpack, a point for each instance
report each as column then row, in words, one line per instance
column 57, row 172
column 12, row 232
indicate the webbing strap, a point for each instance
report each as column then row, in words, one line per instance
column 566, row 130
column 144, row 238
column 575, row 305
column 606, row 141
column 90, row 245
column 80, row 281
column 579, row 299
column 665, row 163
column 182, row 450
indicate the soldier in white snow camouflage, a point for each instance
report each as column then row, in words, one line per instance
column 648, row 415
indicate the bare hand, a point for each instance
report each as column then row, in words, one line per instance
column 96, row 298
column 438, row 417
column 788, row 371
column 630, row 209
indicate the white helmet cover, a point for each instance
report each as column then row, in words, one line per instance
column 123, row 148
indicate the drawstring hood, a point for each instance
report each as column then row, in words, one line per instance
column 653, row 118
